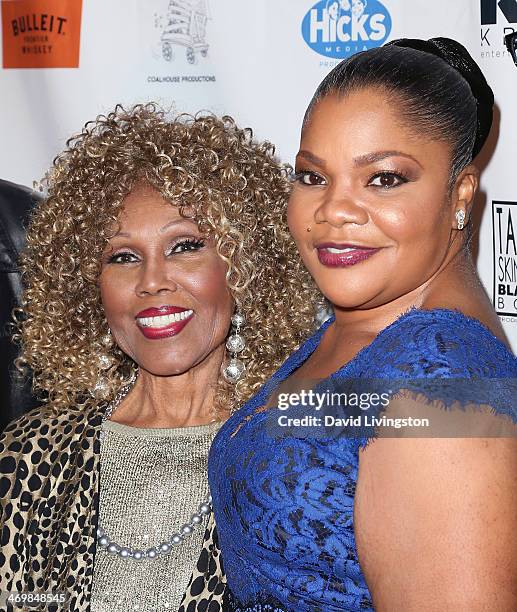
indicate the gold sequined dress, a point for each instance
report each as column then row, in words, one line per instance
column 151, row 482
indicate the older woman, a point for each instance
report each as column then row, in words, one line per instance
column 327, row 519
column 155, row 301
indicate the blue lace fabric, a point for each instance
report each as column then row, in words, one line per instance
column 284, row 505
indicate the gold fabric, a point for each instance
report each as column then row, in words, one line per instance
column 151, row 482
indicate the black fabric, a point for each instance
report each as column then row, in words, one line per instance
column 16, row 203
column 455, row 54
column 231, row 604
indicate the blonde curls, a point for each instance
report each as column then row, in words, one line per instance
column 231, row 185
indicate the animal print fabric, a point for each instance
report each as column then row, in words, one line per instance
column 49, row 506
column 207, row 587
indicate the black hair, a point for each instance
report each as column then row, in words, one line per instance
column 438, row 86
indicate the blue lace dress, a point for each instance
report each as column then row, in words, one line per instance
column 284, row 505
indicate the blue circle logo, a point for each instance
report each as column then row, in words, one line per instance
column 340, row 28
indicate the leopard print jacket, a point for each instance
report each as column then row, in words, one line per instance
column 49, row 508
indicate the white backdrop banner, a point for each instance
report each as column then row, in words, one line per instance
column 66, row 61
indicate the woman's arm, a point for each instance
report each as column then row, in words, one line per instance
column 436, row 524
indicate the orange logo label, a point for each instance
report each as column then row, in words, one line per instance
column 41, row 33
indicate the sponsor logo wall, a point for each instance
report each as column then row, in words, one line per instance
column 41, row 34
column 340, row 28
column 504, row 219
column 176, row 41
column 498, row 17
column 66, row 61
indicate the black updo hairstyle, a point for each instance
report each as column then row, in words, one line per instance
column 436, row 84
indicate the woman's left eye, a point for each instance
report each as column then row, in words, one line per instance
column 307, row 177
column 123, row 258
column 187, row 245
column 387, row 180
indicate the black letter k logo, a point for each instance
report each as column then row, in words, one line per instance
column 489, row 11
column 509, row 9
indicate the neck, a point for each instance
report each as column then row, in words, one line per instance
column 441, row 290
column 181, row 400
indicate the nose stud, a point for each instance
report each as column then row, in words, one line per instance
column 309, row 229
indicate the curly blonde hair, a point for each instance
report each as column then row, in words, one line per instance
column 233, row 188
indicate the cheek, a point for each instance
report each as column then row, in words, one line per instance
column 208, row 286
column 210, row 291
column 114, row 288
column 298, row 218
column 117, row 294
column 421, row 221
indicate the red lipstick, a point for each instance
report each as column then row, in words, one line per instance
column 336, row 255
column 163, row 322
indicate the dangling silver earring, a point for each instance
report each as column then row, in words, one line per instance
column 104, row 362
column 235, row 368
column 460, row 218
column 101, row 391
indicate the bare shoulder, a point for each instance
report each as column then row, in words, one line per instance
column 435, row 523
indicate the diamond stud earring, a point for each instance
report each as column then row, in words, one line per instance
column 460, row 218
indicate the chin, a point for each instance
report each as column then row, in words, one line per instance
column 166, row 369
column 343, row 304
column 352, row 298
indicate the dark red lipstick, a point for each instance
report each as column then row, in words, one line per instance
column 163, row 322
column 335, row 255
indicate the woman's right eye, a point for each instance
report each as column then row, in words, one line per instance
column 122, row 258
column 307, row 177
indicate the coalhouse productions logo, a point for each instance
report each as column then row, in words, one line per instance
column 175, row 41
column 41, row 34
column 183, row 30
column 340, row 28
column 504, row 219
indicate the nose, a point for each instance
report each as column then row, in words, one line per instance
column 339, row 208
column 154, row 279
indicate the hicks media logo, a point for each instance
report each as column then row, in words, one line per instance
column 497, row 19
column 340, row 28
column 504, row 222
column 41, row 34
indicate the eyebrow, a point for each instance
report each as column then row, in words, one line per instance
column 371, row 158
column 362, row 160
column 165, row 227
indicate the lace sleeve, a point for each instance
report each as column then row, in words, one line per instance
column 438, row 365
column 445, row 366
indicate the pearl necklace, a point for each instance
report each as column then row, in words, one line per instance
column 164, row 548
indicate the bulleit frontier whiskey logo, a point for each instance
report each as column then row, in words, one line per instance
column 41, row 33
column 504, row 219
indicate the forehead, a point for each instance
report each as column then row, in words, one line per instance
column 364, row 121
column 144, row 207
